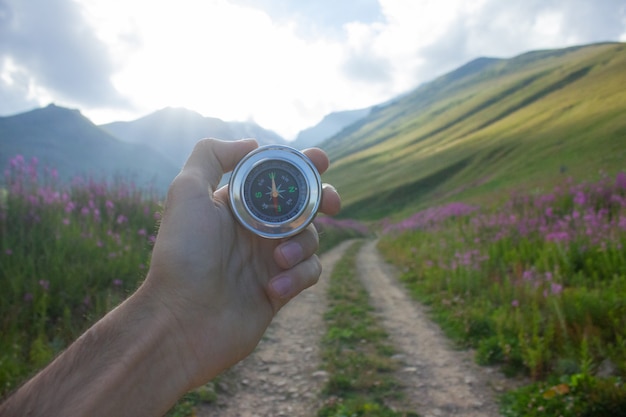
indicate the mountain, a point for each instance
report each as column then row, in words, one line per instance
column 330, row 125
column 491, row 126
column 64, row 139
column 173, row 132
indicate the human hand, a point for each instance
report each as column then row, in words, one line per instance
column 221, row 284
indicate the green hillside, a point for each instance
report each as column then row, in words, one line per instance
column 488, row 127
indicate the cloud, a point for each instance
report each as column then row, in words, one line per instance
column 315, row 18
column 367, row 68
column 46, row 46
column 509, row 28
column 15, row 89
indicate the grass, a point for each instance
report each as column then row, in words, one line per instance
column 536, row 285
column 355, row 350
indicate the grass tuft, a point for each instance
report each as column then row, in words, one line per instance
column 356, row 351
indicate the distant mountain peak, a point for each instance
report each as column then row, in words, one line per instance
column 56, row 108
column 52, row 113
column 177, row 111
column 173, row 131
column 330, row 125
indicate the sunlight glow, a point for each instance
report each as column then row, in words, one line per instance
column 221, row 60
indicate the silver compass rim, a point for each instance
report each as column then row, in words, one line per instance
column 303, row 217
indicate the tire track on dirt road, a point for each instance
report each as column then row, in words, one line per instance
column 282, row 376
column 438, row 380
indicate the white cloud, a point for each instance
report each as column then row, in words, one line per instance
column 225, row 61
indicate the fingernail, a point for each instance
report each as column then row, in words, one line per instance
column 281, row 286
column 292, row 252
column 328, row 186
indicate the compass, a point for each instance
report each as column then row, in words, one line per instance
column 275, row 191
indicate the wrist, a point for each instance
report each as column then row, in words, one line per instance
column 158, row 342
column 184, row 330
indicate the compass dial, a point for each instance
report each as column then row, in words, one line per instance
column 275, row 191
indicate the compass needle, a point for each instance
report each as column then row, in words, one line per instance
column 274, row 191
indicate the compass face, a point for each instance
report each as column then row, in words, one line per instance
column 275, row 191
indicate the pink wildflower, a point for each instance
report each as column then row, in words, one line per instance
column 620, row 180
column 557, row 237
column 45, row 284
column 580, row 198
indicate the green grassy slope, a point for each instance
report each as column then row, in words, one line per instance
column 489, row 126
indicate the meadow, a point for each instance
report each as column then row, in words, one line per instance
column 536, row 285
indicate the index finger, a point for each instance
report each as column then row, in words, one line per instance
column 319, row 159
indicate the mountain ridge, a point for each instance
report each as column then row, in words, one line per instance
column 502, row 124
column 330, row 125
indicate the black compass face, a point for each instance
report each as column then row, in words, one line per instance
column 275, row 191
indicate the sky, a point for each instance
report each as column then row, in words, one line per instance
column 281, row 63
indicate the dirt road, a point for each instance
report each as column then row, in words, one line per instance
column 283, row 378
column 438, row 380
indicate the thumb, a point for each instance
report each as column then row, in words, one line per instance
column 211, row 158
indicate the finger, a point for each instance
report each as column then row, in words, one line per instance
column 221, row 194
column 297, row 249
column 211, row 158
column 319, row 159
column 331, row 201
column 291, row 282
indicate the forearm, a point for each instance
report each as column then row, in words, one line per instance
column 126, row 364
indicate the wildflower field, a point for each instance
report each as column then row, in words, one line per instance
column 537, row 286
column 68, row 254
